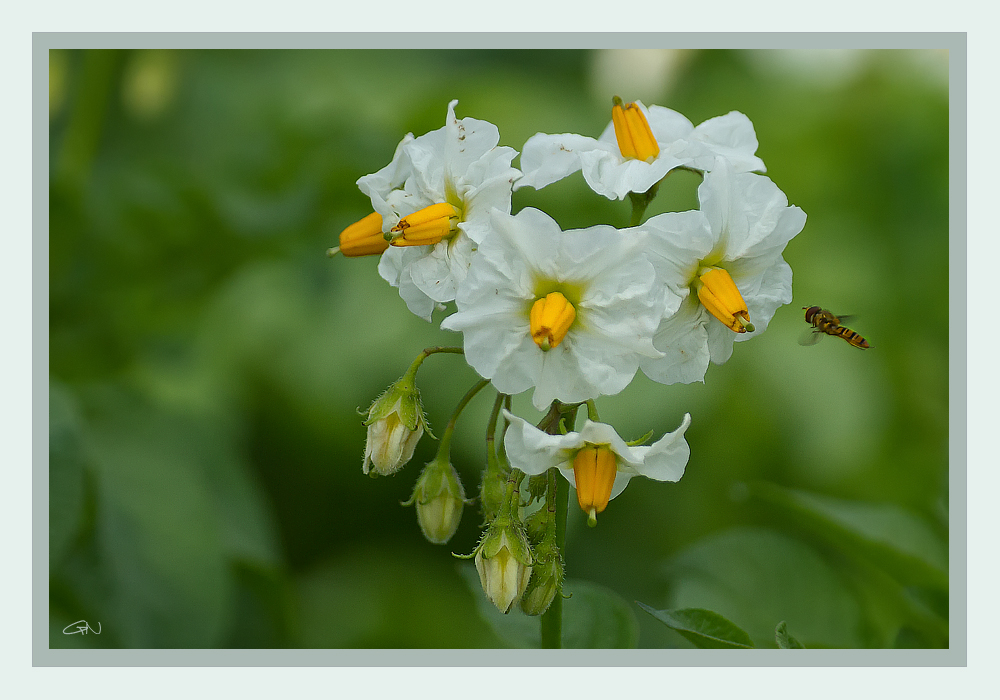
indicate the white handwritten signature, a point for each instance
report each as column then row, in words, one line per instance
column 81, row 628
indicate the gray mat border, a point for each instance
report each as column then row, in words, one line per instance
column 954, row 42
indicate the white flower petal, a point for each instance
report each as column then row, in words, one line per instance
column 612, row 176
column 461, row 160
column 394, row 269
column 731, row 136
column 666, row 459
column 683, row 340
column 534, row 451
column 439, row 271
column 678, row 241
column 616, row 312
column 547, row 158
column 774, row 289
column 466, row 141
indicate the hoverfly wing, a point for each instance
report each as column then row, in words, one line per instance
column 810, row 337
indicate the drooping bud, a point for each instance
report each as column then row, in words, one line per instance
column 595, row 468
column 504, row 561
column 363, row 237
column 395, row 424
column 718, row 293
column 428, row 226
column 546, row 579
column 550, row 320
column 439, row 499
column 635, row 138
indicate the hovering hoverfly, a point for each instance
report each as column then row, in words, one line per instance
column 825, row 322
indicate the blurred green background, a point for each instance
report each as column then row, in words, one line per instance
column 207, row 359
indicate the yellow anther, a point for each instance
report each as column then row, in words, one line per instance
column 635, row 138
column 595, row 468
column 425, row 227
column 362, row 238
column 550, row 319
column 719, row 294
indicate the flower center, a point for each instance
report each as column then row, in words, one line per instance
column 425, row 227
column 550, row 319
column 635, row 138
column 595, row 468
column 718, row 293
column 362, row 238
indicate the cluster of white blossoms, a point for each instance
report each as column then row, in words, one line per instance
column 573, row 314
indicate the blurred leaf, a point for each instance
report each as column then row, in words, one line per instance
column 66, row 472
column 785, row 640
column 405, row 596
column 594, row 617
column 754, row 576
column 158, row 530
column 888, row 535
column 703, row 628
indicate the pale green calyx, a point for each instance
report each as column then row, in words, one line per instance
column 395, row 423
column 504, row 561
column 546, row 579
column 439, row 499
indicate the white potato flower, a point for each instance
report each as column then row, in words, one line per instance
column 725, row 261
column 638, row 148
column 595, row 460
column 569, row 313
column 434, row 199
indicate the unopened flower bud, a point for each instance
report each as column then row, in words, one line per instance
column 439, row 499
column 503, row 560
column 546, row 579
column 395, row 424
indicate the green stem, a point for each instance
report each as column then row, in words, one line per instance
column 491, row 427
column 640, row 201
column 445, row 445
column 552, row 618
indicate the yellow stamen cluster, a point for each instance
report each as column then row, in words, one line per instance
column 428, row 226
column 719, row 294
column 635, row 138
column 550, row 319
column 595, row 468
column 362, row 238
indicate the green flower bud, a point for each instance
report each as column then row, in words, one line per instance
column 491, row 492
column 503, row 560
column 537, row 486
column 536, row 525
column 439, row 499
column 546, row 579
column 395, row 424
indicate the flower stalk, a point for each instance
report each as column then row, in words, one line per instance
column 558, row 497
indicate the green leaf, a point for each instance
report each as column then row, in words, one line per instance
column 754, row 576
column 594, row 617
column 889, row 536
column 703, row 628
column 785, row 640
column 160, row 544
column 67, row 471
